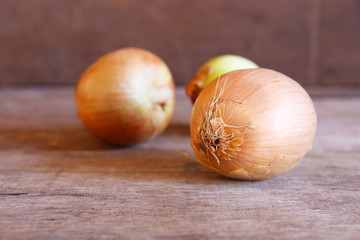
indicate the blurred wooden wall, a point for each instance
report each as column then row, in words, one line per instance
column 317, row 42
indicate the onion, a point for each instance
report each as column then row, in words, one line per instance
column 214, row 68
column 252, row 124
column 126, row 97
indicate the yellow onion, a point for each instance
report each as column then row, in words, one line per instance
column 252, row 124
column 126, row 97
column 213, row 69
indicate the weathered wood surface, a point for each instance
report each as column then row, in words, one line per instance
column 58, row 182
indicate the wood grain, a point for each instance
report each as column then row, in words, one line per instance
column 58, row 182
column 52, row 42
column 339, row 52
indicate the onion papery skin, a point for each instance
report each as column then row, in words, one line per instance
column 252, row 124
column 214, row 68
column 126, row 97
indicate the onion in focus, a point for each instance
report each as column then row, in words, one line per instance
column 213, row 69
column 252, row 124
column 126, row 97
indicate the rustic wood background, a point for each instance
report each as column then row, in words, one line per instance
column 58, row 182
column 317, row 42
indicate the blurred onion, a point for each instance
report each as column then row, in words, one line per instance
column 214, row 68
column 126, row 97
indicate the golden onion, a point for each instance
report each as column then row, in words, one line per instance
column 126, row 97
column 252, row 124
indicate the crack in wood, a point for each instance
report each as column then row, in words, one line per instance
column 13, row 194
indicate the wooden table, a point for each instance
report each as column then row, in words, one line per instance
column 58, row 182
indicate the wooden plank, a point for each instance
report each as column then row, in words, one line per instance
column 339, row 52
column 52, row 42
column 58, row 182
